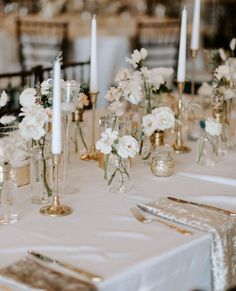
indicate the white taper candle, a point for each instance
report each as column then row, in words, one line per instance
column 56, row 110
column 182, row 47
column 93, row 67
column 196, row 25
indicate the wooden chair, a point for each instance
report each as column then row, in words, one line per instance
column 40, row 41
column 79, row 71
column 14, row 83
column 161, row 39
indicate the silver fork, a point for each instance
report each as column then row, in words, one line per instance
column 140, row 217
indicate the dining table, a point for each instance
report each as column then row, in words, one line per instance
column 103, row 237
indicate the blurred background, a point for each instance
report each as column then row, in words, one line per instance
column 33, row 32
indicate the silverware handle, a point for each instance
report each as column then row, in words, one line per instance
column 228, row 212
column 178, row 229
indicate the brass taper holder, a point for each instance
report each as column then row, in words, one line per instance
column 55, row 209
column 92, row 155
column 179, row 146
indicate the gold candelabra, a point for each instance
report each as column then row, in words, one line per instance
column 56, row 209
column 179, row 146
column 92, row 155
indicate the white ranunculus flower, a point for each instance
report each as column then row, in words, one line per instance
column 127, row 147
column 107, row 139
column 117, row 108
column 4, row 98
column 165, row 118
column 213, row 127
column 32, row 125
column 223, row 72
column 149, row 124
column 7, row 119
column 222, row 54
column 114, row 94
column 232, row 44
column 136, row 57
column 205, row 90
column 27, row 97
column 46, row 86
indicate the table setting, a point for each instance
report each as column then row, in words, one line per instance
column 139, row 195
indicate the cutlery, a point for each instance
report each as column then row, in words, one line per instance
column 206, row 206
column 46, row 259
column 140, row 217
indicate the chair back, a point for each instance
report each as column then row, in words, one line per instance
column 14, row 83
column 161, row 39
column 79, row 71
column 40, row 41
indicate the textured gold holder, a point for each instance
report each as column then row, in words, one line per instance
column 56, row 209
column 179, row 146
column 92, row 155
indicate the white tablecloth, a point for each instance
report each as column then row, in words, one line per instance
column 102, row 236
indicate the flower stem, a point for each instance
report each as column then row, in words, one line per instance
column 82, row 137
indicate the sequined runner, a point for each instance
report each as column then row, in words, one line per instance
column 223, row 230
column 30, row 273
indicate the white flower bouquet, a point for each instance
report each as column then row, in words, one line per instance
column 120, row 148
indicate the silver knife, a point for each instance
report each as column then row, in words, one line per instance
column 206, row 206
column 46, row 259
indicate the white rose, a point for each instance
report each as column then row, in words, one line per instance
column 149, row 124
column 127, row 147
column 7, row 119
column 117, row 108
column 222, row 54
column 32, row 125
column 232, row 44
column 165, row 118
column 223, row 72
column 166, row 73
column 213, row 127
column 27, row 97
column 46, row 86
column 4, row 98
column 205, row 90
column 107, row 138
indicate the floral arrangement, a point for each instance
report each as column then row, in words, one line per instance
column 121, row 147
column 160, row 119
column 13, row 148
column 212, row 128
column 140, row 85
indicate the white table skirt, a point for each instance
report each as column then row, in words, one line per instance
column 102, row 236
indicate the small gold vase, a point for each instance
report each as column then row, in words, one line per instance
column 162, row 164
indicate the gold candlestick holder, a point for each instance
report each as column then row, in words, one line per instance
column 179, row 146
column 92, row 155
column 55, row 209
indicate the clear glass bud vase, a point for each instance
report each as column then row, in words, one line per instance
column 207, row 150
column 162, row 164
column 41, row 174
column 118, row 174
column 8, row 192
